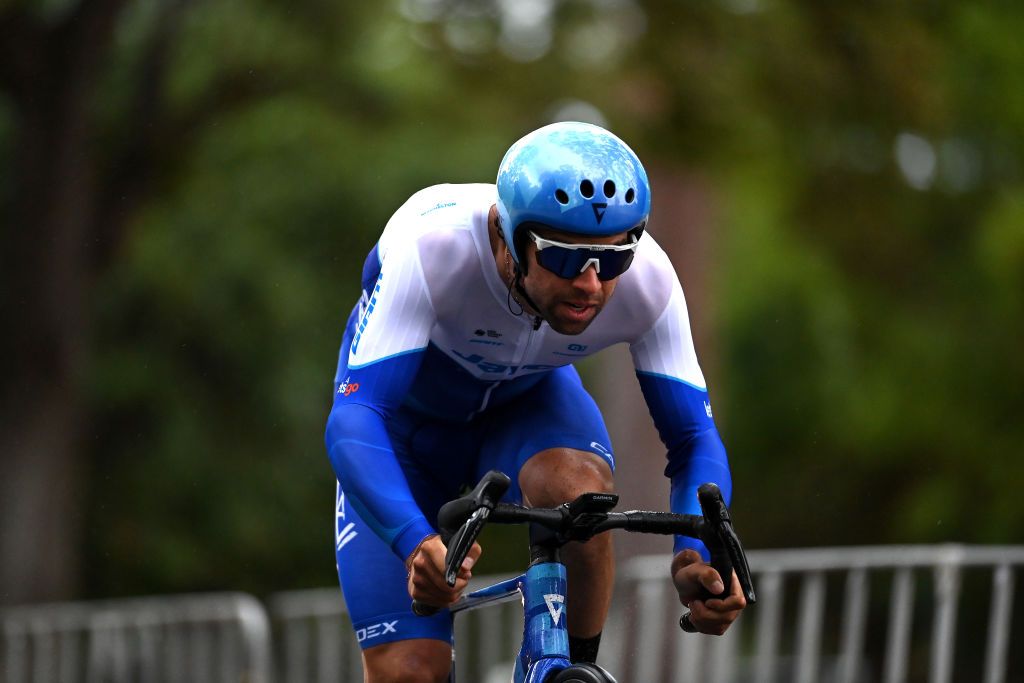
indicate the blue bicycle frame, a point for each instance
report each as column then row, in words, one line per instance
column 545, row 646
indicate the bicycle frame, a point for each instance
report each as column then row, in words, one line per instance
column 545, row 647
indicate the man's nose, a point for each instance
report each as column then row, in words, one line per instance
column 588, row 280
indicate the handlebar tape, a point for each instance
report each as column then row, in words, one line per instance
column 662, row 523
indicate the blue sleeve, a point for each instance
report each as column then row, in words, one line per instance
column 696, row 455
column 363, row 458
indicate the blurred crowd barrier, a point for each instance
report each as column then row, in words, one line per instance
column 824, row 615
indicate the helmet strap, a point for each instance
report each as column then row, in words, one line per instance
column 516, row 291
column 512, row 298
column 512, row 272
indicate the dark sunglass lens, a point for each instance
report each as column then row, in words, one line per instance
column 614, row 264
column 569, row 263
column 561, row 262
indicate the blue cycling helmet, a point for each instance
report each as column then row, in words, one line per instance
column 574, row 177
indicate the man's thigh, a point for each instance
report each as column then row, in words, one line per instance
column 373, row 580
column 557, row 413
column 435, row 459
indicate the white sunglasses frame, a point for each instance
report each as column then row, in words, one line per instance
column 543, row 243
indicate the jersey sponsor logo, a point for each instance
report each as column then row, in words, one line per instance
column 574, row 351
column 348, row 388
column 555, row 603
column 439, row 205
column 486, row 337
column 599, row 209
column 498, row 368
column 376, row 630
column 342, row 535
column 341, row 538
column 707, row 408
column 371, row 303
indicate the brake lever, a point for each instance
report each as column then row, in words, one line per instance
column 726, row 551
column 714, row 535
column 739, row 563
column 461, row 543
column 467, row 516
column 460, row 521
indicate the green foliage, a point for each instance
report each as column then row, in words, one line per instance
column 869, row 364
column 868, row 318
column 219, row 324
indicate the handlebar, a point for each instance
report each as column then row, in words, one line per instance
column 460, row 522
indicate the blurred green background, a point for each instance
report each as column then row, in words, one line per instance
column 188, row 189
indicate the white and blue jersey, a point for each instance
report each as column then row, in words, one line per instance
column 433, row 339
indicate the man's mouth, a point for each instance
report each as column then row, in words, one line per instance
column 579, row 309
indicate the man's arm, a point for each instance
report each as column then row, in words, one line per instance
column 383, row 357
column 677, row 397
column 696, row 455
column 360, row 451
column 363, row 458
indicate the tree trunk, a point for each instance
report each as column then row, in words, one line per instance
column 46, row 267
column 47, row 264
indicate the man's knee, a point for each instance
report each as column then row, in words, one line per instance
column 558, row 475
column 408, row 661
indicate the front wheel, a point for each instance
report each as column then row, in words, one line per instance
column 582, row 673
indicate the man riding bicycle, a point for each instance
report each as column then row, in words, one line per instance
column 458, row 359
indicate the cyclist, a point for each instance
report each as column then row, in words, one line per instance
column 458, row 359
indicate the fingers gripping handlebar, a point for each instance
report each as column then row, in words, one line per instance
column 459, row 522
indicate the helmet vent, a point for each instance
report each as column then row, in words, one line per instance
column 630, row 196
column 587, row 189
column 609, row 189
column 561, row 196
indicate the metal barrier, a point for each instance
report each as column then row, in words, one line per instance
column 313, row 639
column 314, row 643
column 832, row 634
column 191, row 639
column 824, row 615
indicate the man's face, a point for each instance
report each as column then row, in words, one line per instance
column 568, row 305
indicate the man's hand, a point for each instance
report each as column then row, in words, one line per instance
column 426, row 573
column 689, row 574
